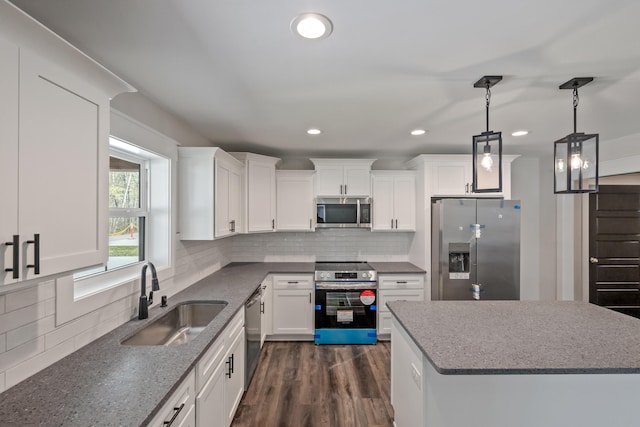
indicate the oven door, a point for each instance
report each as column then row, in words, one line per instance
column 346, row 305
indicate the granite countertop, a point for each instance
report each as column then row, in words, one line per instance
column 108, row 384
column 522, row 337
column 395, row 268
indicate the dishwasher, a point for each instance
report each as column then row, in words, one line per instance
column 253, row 333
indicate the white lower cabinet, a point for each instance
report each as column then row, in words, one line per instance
column 219, row 377
column 407, row 380
column 179, row 409
column 293, row 300
column 397, row 287
column 266, row 322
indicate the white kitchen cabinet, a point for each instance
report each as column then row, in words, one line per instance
column 209, row 193
column 179, row 409
column 452, row 175
column 343, row 177
column 293, row 309
column 394, row 195
column 219, row 376
column 295, row 207
column 54, row 130
column 396, row 287
column 259, row 204
column 266, row 323
column 407, row 380
column 234, row 385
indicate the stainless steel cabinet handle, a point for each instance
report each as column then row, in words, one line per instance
column 293, row 282
column 15, row 266
column 391, row 222
column 401, row 282
column 309, row 297
column 175, row 415
column 341, row 189
column 396, row 224
column 466, row 188
column 232, row 225
column 345, row 189
column 261, row 308
column 593, row 260
column 310, row 223
column 36, row 254
column 273, row 224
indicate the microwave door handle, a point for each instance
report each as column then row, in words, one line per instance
column 358, row 213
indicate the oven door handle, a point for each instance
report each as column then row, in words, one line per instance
column 346, row 285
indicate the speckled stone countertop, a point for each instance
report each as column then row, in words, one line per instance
column 107, row 384
column 395, row 268
column 522, row 337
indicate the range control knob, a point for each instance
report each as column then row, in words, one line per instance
column 365, row 275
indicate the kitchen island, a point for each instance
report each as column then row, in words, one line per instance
column 513, row 363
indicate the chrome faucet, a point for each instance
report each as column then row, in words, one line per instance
column 143, row 309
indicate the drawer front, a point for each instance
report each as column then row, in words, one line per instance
column 234, row 328
column 401, row 281
column 298, row 281
column 209, row 362
column 178, row 405
column 387, row 295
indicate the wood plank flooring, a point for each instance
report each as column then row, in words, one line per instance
column 306, row 385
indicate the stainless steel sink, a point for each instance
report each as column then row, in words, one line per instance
column 179, row 325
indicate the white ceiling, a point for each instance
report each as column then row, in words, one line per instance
column 233, row 70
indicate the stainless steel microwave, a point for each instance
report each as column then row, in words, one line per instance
column 344, row 212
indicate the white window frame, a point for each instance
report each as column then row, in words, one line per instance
column 75, row 298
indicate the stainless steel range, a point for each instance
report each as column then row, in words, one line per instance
column 346, row 303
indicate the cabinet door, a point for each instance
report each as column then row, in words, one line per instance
column 267, row 309
column 329, row 181
column 294, row 207
column 64, row 128
column 261, row 204
column 293, row 311
column 222, row 221
column 407, row 394
column 357, row 181
column 210, row 403
column 234, row 384
column 404, row 202
column 8, row 156
column 452, row 178
column 383, row 189
column 235, row 200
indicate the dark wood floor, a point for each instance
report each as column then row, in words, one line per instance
column 301, row 384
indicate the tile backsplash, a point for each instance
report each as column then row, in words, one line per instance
column 30, row 340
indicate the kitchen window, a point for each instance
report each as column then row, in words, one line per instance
column 128, row 190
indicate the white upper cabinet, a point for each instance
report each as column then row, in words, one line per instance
column 295, row 209
column 209, row 193
column 259, row 204
column 394, row 200
column 343, row 177
column 54, row 130
column 452, row 175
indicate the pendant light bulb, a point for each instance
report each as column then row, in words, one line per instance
column 576, row 161
column 487, row 161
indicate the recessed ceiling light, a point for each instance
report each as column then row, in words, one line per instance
column 312, row 26
column 314, row 131
column 520, row 133
column 418, row 132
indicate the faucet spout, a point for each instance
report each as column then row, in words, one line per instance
column 143, row 308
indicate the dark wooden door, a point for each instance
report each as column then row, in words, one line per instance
column 614, row 248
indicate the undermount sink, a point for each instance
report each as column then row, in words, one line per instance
column 179, row 325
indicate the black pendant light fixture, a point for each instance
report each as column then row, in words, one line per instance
column 576, row 155
column 487, row 149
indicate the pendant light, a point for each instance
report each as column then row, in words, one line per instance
column 576, row 155
column 487, row 149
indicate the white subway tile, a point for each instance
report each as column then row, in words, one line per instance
column 2, row 298
column 3, row 343
column 16, row 337
column 23, row 316
column 30, row 296
column 17, row 355
column 35, row 364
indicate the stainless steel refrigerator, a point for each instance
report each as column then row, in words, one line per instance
column 475, row 250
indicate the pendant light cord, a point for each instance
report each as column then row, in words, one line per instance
column 488, row 99
column 576, row 100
